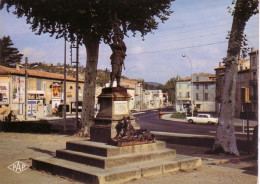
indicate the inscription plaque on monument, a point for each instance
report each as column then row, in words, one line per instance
column 120, row 107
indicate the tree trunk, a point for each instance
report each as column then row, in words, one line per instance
column 225, row 140
column 92, row 49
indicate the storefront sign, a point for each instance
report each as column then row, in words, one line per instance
column 4, row 93
column 56, row 90
column 18, row 89
column 55, row 105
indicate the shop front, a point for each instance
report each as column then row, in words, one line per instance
column 35, row 104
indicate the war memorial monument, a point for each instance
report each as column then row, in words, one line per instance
column 118, row 150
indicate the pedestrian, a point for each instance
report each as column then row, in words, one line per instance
column 160, row 113
column 10, row 116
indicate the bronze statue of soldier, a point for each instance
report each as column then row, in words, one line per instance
column 118, row 48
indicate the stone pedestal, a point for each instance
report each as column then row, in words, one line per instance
column 114, row 105
column 97, row 162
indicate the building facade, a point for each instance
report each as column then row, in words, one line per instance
column 44, row 93
column 183, row 94
column 253, row 82
column 154, row 99
column 203, row 92
column 200, row 91
column 246, row 86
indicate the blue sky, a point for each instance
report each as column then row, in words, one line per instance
column 197, row 28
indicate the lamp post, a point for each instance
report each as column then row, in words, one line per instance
column 183, row 55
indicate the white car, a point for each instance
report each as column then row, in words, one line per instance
column 203, row 118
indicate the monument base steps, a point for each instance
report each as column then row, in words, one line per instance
column 95, row 175
column 99, row 163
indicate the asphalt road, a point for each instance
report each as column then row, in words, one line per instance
column 150, row 120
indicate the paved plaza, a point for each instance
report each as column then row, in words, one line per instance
column 216, row 169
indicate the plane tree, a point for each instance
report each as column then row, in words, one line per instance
column 90, row 22
column 225, row 140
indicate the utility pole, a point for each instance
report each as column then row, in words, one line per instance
column 26, row 88
column 64, row 90
column 77, row 77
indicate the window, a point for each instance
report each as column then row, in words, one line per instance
column 188, row 85
column 179, row 86
column 206, row 96
column 197, row 96
column 39, row 82
column 188, row 95
column 197, row 78
column 197, row 86
column 253, row 60
column 198, row 106
column 245, row 95
column 180, row 95
column 44, row 86
column 206, row 86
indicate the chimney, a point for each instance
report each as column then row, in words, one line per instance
column 17, row 66
column 219, row 64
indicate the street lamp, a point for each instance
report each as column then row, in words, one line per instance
column 183, row 55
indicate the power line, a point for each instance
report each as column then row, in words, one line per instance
column 187, row 31
column 181, row 48
column 202, row 45
column 166, row 50
column 187, row 38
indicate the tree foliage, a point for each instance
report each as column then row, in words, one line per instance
column 9, row 55
column 76, row 18
column 89, row 22
column 170, row 88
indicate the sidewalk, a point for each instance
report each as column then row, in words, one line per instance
column 216, row 169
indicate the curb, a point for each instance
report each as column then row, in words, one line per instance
column 196, row 140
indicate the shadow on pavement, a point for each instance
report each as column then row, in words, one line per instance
column 252, row 170
column 42, row 151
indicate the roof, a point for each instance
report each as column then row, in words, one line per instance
column 131, row 81
column 205, row 74
column 184, row 79
column 35, row 73
column 241, row 61
column 204, row 81
column 220, row 67
column 253, row 52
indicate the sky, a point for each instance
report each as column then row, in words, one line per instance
column 196, row 29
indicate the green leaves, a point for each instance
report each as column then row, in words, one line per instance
column 92, row 18
column 8, row 55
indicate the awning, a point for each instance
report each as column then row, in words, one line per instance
column 35, row 92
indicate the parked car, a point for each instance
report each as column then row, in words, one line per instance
column 202, row 118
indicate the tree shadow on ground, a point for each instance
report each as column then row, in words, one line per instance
column 42, row 151
column 252, row 170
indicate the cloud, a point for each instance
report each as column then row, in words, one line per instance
column 33, row 54
column 136, row 49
